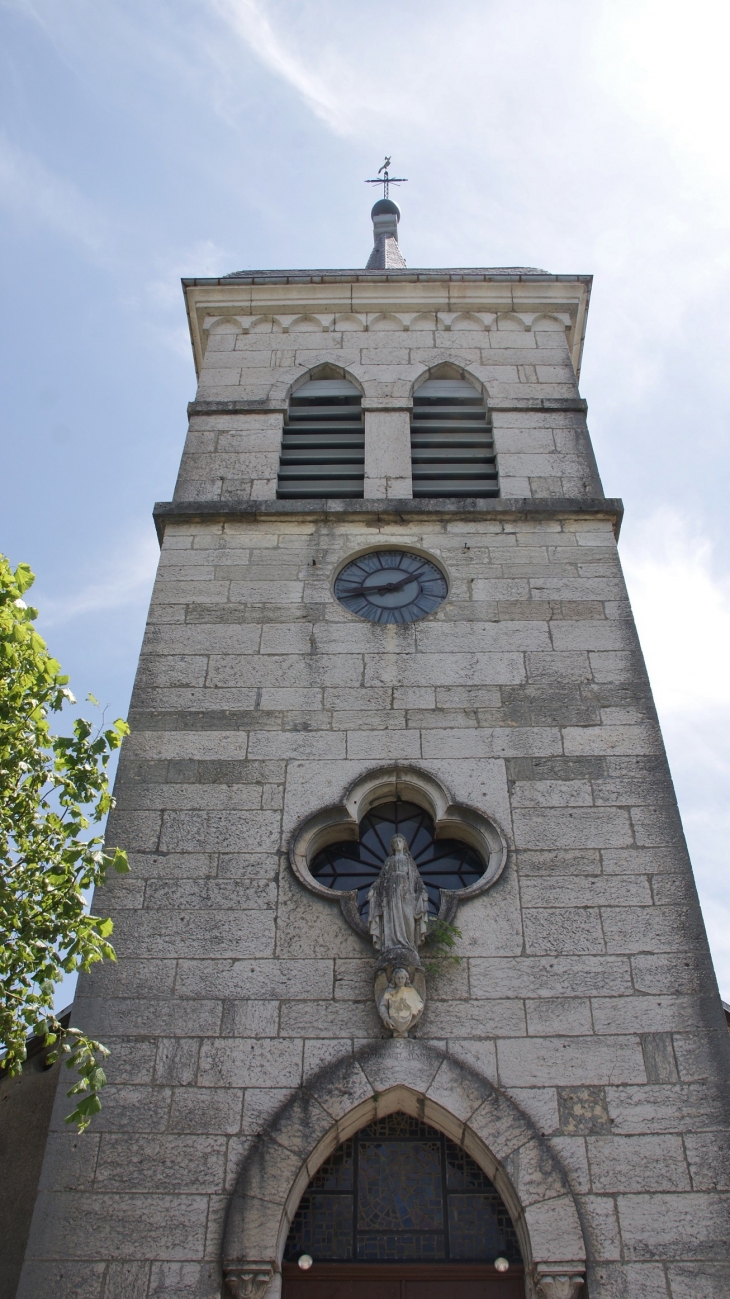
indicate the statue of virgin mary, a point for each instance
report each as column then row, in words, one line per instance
column 398, row 902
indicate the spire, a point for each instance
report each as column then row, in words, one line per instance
column 386, row 255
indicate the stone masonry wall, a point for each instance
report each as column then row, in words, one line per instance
column 527, row 375
column 585, row 989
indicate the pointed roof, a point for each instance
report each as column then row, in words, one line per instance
column 386, row 255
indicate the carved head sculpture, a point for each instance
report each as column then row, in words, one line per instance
column 400, row 978
column 399, row 844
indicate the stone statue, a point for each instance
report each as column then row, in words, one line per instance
column 400, row 1006
column 398, row 903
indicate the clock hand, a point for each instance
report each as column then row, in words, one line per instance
column 381, row 590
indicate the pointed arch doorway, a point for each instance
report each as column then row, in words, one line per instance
column 400, row 1211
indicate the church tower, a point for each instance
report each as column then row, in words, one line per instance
column 413, row 993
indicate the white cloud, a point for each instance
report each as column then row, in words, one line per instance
column 29, row 189
column 127, row 581
column 682, row 608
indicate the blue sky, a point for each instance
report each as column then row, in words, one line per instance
column 141, row 142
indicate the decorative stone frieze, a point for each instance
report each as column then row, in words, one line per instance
column 249, row 1280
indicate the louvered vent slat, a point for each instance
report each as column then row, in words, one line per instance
column 323, row 446
column 452, row 449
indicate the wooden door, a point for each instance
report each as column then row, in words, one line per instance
column 402, row 1281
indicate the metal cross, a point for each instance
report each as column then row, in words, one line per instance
column 386, row 180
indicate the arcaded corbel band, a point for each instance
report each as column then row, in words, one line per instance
column 249, row 1280
column 559, row 1280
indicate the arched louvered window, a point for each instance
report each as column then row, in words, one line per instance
column 452, row 448
column 323, row 446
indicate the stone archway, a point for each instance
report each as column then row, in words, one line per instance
column 424, row 1081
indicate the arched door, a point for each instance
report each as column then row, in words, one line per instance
column 401, row 1212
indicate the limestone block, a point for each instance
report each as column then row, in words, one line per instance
column 601, row 1228
column 228, row 832
column 185, row 592
column 484, row 1018
column 287, row 638
column 341, row 1087
column 589, row 635
column 551, row 793
column 647, row 929
column 448, row 697
column 564, row 1062
column 562, row 976
column 155, row 1163
column 668, row 973
column 554, row 1230
column 622, row 1164
column 63, row 1280
column 330, row 1019
column 184, row 1281
column 326, row 744
column 685, row 1277
column 176, row 1063
column 558, row 666
column 220, row 895
column 121, row 1226
column 360, row 637
column 70, row 1162
column 492, row 742
column 186, row 640
column 656, row 826
column 196, row 798
column 250, row 1018
column 574, row 827
column 674, row 1226
column 383, row 745
column 458, row 1093
column 387, row 454
column 254, row 1062
column 685, row 1107
column 563, row 930
column 399, row 1059
column 477, row 1054
column 702, row 1055
column 206, row 1110
column 126, row 1280
column 260, row 1105
column 444, row 669
column 285, row 670
column 476, row 638
column 570, row 891
column 646, row 1014
column 561, row 1016
column 534, row 1174
column 642, row 739
column 280, row 979
column 129, row 1015
column 180, row 934
column 708, row 1154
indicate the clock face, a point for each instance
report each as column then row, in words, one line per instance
column 391, row 586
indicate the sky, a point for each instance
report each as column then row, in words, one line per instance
column 141, row 141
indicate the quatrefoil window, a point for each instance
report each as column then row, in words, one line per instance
column 442, row 863
column 338, row 851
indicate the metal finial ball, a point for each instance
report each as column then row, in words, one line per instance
column 501, row 1264
column 305, row 1262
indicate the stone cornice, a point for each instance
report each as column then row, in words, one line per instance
column 393, row 511
column 245, row 406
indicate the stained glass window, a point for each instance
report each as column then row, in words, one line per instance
column 443, row 863
column 400, row 1191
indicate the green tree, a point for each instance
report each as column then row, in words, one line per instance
column 52, row 788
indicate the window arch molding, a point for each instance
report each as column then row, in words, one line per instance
column 379, row 1079
column 452, row 820
column 450, row 370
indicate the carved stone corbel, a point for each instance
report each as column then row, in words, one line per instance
column 249, row 1280
column 558, row 1281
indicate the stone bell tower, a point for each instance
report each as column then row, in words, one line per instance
column 391, row 693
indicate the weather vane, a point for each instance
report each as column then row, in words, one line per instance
column 386, row 180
